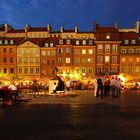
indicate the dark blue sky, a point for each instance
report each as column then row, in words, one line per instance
column 68, row 13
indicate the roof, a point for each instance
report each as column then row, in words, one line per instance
column 37, row 29
column 130, row 36
column 106, row 29
column 2, row 28
column 16, row 31
column 16, row 40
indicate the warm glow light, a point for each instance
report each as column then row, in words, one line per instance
column 122, row 77
column 71, row 75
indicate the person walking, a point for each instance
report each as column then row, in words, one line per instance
column 100, row 87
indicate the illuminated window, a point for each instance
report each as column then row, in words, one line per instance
column 90, row 70
column 137, row 50
column 60, row 61
column 20, row 70
column 77, row 42
column 99, row 69
column 46, row 44
column 123, row 59
column 90, row 42
column 60, row 50
column 67, row 60
column 51, row 45
column 108, row 35
column 52, row 53
column 89, row 60
column 126, row 42
column 25, row 70
column 68, row 41
column 43, row 53
column 138, row 59
column 114, row 47
column 6, row 42
column 131, row 51
column 130, row 69
column 83, row 51
column 90, row 51
column 100, row 47
column 123, row 50
column 107, row 47
column 130, row 59
column 133, row 41
column 137, row 68
column 114, row 59
column 0, row 41
column 107, row 58
column 60, row 41
column 11, row 41
column 84, row 42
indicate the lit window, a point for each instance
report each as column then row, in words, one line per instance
column 107, row 47
column 67, row 60
column 77, row 42
column 60, row 41
column 138, row 59
column 107, row 58
column 130, row 59
column 123, row 59
column 114, row 59
column 99, row 69
column 137, row 50
column 84, row 42
column 133, row 41
column 77, row 60
column 68, row 41
column 137, row 68
column 123, row 50
column 131, row 51
column 90, row 60
column 83, row 51
column 114, row 47
column 100, row 47
column 126, row 42
column 46, row 45
column 25, row 70
column 60, row 50
column 43, row 53
column 90, row 42
column 60, row 60
column 11, row 41
column 0, row 41
column 6, row 42
column 108, row 36
column 90, row 51
column 52, row 53
column 51, row 44
column 37, row 70
column 31, row 70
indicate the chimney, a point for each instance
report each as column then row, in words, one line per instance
column 49, row 28
column 95, row 26
column 6, row 27
column 137, row 26
column 116, row 25
column 27, row 27
column 76, row 29
column 62, row 29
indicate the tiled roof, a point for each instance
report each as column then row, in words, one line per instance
column 2, row 28
column 16, row 40
column 130, row 36
column 17, row 31
column 106, row 29
column 39, row 29
column 37, row 41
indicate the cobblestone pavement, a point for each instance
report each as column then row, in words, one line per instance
column 83, row 117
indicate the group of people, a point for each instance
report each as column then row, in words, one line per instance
column 61, row 85
column 105, row 87
column 7, row 92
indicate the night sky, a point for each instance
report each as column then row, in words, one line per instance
column 68, row 13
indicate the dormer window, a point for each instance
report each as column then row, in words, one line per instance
column 77, row 42
column 0, row 41
column 126, row 41
column 51, row 44
column 61, row 41
column 133, row 41
column 68, row 41
column 6, row 42
column 108, row 35
column 84, row 42
column 90, row 42
column 11, row 41
column 46, row 45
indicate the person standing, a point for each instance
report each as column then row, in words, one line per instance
column 54, row 87
column 68, row 84
column 95, row 86
column 113, row 86
column 118, row 87
column 100, row 87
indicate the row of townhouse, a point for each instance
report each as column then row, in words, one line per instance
column 40, row 52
